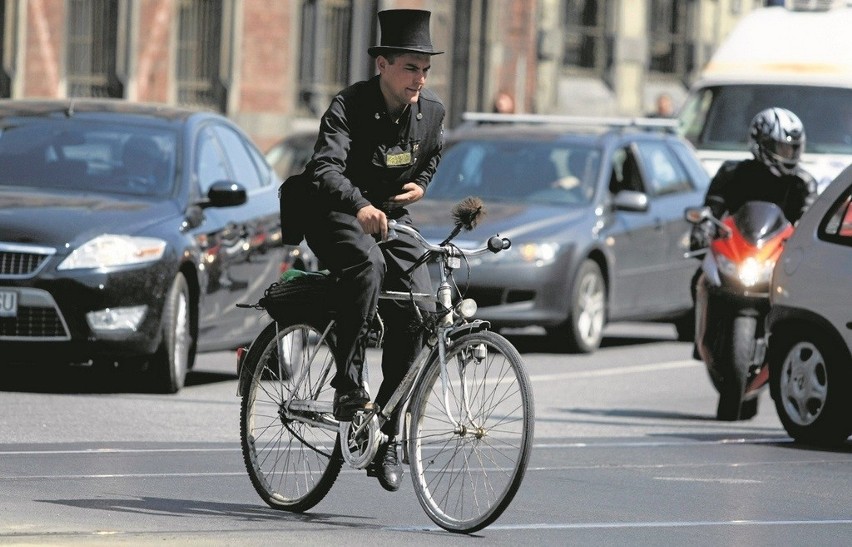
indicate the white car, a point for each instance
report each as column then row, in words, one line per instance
column 810, row 324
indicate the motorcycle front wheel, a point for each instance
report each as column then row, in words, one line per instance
column 732, row 387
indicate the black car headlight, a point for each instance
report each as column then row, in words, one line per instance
column 109, row 250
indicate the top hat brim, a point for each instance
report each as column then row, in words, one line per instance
column 375, row 51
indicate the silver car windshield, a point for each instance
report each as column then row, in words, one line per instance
column 517, row 171
column 83, row 156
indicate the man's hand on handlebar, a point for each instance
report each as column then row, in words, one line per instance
column 373, row 221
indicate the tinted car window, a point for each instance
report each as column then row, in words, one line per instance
column 90, row 156
column 665, row 173
column 517, row 171
column 625, row 174
column 241, row 161
column 211, row 164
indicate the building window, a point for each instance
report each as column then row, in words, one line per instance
column 587, row 46
column 199, row 54
column 92, row 45
column 325, row 48
column 7, row 37
column 668, row 43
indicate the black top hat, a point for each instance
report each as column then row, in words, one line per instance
column 404, row 30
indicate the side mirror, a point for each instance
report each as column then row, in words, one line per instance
column 697, row 215
column 630, row 200
column 224, row 194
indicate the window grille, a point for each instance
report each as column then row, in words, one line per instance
column 199, row 54
column 91, row 46
column 669, row 46
column 325, row 49
column 587, row 45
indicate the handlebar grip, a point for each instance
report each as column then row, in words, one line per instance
column 497, row 244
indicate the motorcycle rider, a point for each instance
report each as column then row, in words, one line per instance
column 777, row 140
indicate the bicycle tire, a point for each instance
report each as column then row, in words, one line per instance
column 465, row 476
column 292, row 465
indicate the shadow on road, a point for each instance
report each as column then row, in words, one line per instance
column 198, row 508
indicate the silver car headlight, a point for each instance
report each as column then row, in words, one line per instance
column 538, row 253
column 109, row 250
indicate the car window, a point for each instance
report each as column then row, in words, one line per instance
column 624, row 172
column 88, row 156
column 267, row 175
column 236, row 150
column 665, row 173
column 837, row 226
column 544, row 172
column 290, row 156
column 211, row 165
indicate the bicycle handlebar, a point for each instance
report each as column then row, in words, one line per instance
column 495, row 243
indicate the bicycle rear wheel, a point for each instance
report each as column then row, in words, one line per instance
column 468, row 451
column 292, row 464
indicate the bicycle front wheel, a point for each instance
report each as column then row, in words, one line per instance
column 471, row 434
column 292, row 457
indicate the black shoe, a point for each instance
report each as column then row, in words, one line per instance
column 346, row 404
column 385, row 467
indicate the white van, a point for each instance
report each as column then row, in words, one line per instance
column 797, row 57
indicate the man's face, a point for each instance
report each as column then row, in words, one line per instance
column 402, row 80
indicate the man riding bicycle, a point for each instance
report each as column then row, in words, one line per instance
column 379, row 145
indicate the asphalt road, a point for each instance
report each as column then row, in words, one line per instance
column 626, row 453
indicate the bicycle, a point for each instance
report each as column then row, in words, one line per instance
column 466, row 402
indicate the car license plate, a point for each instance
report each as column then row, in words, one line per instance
column 8, row 304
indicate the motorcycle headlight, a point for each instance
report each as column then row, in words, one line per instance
column 110, row 250
column 751, row 272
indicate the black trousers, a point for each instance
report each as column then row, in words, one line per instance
column 364, row 268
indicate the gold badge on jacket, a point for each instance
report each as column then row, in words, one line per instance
column 395, row 160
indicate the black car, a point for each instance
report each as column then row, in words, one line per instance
column 128, row 232
column 594, row 209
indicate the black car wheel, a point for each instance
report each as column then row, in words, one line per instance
column 583, row 330
column 168, row 366
column 810, row 378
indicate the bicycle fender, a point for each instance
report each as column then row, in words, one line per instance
column 476, row 325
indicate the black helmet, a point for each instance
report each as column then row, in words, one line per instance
column 777, row 138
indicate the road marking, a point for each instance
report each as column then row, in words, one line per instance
column 634, row 369
column 622, row 525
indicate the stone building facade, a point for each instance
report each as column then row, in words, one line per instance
column 272, row 65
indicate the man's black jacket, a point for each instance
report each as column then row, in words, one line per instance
column 363, row 156
column 750, row 180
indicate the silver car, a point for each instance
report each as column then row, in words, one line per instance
column 810, row 324
column 595, row 215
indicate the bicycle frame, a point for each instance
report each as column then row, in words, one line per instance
column 448, row 258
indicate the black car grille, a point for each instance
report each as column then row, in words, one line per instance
column 33, row 323
column 21, row 261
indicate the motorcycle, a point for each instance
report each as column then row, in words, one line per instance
column 732, row 300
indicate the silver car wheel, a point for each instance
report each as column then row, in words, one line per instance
column 803, row 383
column 590, row 320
